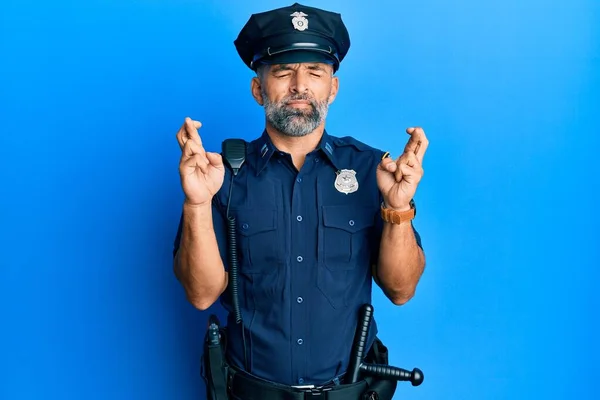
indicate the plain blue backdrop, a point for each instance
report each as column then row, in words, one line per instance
column 92, row 94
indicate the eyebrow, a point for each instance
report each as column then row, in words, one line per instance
column 281, row 67
column 286, row 67
column 315, row 67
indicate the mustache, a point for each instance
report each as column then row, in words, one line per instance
column 301, row 97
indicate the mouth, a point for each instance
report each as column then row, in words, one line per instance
column 298, row 103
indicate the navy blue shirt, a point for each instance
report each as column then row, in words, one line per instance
column 305, row 251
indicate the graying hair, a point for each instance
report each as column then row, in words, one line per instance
column 260, row 72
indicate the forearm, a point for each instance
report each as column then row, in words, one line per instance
column 401, row 262
column 198, row 264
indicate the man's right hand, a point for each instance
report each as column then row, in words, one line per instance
column 201, row 172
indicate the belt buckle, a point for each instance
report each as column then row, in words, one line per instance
column 317, row 393
column 303, row 388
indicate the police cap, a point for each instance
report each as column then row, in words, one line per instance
column 293, row 34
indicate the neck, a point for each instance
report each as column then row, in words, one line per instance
column 297, row 147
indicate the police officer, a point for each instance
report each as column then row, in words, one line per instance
column 318, row 217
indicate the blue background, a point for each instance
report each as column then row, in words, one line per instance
column 92, row 94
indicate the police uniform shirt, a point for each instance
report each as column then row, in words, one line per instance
column 306, row 242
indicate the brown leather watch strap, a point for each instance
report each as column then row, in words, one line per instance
column 396, row 217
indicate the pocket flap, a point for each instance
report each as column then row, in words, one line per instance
column 256, row 220
column 349, row 218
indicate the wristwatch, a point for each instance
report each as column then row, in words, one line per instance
column 398, row 217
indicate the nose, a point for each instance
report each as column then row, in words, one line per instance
column 299, row 83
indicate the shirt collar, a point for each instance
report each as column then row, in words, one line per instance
column 328, row 148
column 265, row 150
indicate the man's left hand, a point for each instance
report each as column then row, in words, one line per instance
column 398, row 180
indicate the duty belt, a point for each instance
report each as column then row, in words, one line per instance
column 247, row 387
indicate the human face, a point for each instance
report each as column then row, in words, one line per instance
column 296, row 97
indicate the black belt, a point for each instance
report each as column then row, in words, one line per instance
column 247, row 387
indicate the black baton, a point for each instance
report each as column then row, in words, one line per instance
column 356, row 366
column 360, row 342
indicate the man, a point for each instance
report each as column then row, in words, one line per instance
column 317, row 217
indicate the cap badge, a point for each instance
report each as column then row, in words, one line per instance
column 346, row 182
column 299, row 21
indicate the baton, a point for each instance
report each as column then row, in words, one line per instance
column 357, row 365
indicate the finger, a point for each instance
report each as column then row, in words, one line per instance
column 409, row 159
column 398, row 171
column 191, row 129
column 414, row 141
column 196, row 161
column 418, row 142
column 388, row 164
column 215, row 159
column 408, row 173
column 406, row 159
column 180, row 137
column 192, row 148
column 411, row 174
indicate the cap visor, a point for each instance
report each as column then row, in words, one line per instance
column 298, row 56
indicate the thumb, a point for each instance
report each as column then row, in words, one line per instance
column 215, row 159
column 388, row 164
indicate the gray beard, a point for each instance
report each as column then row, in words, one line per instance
column 295, row 122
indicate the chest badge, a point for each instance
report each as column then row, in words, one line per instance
column 345, row 181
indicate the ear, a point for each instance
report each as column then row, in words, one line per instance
column 256, row 90
column 335, row 86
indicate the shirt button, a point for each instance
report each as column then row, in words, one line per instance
column 300, row 380
column 299, row 258
column 299, row 299
column 351, row 222
column 299, row 218
column 316, row 159
column 300, row 341
column 298, row 180
column 245, row 226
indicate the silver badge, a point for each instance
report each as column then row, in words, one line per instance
column 346, row 181
column 299, row 21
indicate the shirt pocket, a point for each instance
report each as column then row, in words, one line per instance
column 345, row 236
column 260, row 244
column 260, row 258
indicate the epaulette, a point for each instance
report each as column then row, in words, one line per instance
column 357, row 144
